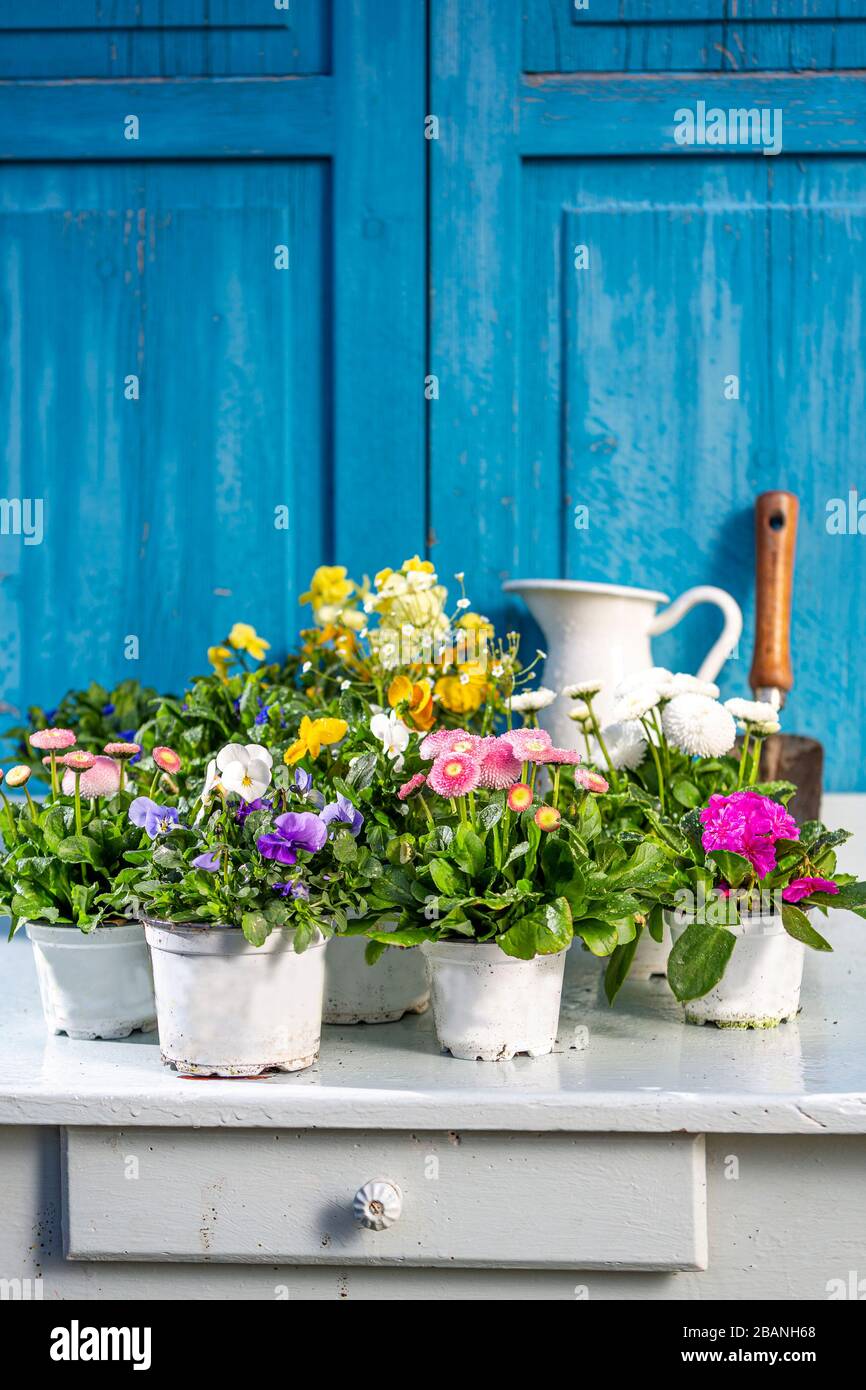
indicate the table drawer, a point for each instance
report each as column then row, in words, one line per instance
column 583, row 1201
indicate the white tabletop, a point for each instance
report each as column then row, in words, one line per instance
column 641, row 1070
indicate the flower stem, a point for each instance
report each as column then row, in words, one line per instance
column 744, row 753
column 556, row 773
column 55, row 789
column 31, row 803
column 77, row 801
column 13, row 833
column 756, row 761
column 601, row 743
column 655, row 758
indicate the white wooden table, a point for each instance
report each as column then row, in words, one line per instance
column 656, row 1161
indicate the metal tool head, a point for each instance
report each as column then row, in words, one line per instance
column 771, row 695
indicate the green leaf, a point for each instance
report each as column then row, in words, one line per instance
column 691, row 827
column 589, row 818
column 601, row 938
column 797, row 924
column 402, row 936
column 517, row 853
column 656, row 923
column 686, row 793
column 447, row 879
column 362, row 771
column 698, row 959
column 733, row 868
column 468, row 851
column 78, row 849
column 490, row 814
column 256, row 928
column 373, row 950
column 648, row 867
column 543, row 932
column 618, row 966
column 35, row 907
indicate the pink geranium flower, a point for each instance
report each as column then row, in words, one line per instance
column 52, row 738
column 748, row 824
column 454, row 774
column 529, row 745
column 499, row 767
column 803, row 887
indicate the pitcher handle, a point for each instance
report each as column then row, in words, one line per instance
column 721, row 649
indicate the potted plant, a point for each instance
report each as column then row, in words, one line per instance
column 669, row 748
column 745, row 877
column 58, row 873
column 496, row 870
column 236, row 918
column 98, row 716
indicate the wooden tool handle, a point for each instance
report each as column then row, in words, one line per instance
column 775, row 542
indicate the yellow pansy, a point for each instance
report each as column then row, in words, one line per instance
column 244, row 638
column 476, row 622
column 219, row 657
column 329, row 587
column 417, row 698
column 313, row 735
column 464, row 693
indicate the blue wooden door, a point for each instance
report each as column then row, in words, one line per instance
column 635, row 336
column 212, row 321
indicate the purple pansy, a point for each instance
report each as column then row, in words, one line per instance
column 304, row 787
column 108, row 709
column 209, row 861
column 293, row 831
column 153, row 818
column 292, row 889
column 343, row 811
column 259, row 803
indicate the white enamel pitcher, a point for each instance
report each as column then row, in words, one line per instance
column 603, row 631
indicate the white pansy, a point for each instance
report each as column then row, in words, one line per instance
column 392, row 733
column 683, row 684
column 530, row 701
column 581, row 689
column 245, row 769
column 243, row 753
column 626, row 743
column 753, row 711
column 636, row 702
column 699, row 726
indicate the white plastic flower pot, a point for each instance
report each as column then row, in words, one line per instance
column 491, row 1006
column 93, row 984
column 226, row 1008
column 761, row 984
column 651, row 956
column 356, row 992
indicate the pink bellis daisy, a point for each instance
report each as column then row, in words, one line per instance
column 408, row 788
column 529, row 745
column 547, row 818
column 454, row 774
column 101, row 778
column 519, row 797
column 590, row 781
column 166, row 758
column 52, row 738
column 499, row 767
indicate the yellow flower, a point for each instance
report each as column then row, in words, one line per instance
column 416, row 696
column 476, row 622
column 382, row 577
column 329, row 587
column 219, row 658
column 419, row 565
column 312, row 735
column 244, row 638
column 464, row 693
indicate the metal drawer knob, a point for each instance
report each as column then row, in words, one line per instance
column 377, row 1204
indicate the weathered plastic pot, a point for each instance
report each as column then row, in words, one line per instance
column 761, row 984
column 651, row 956
column 227, row 1008
column 94, row 984
column 491, row 1006
column 356, row 992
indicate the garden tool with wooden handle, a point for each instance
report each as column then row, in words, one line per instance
column 784, row 757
